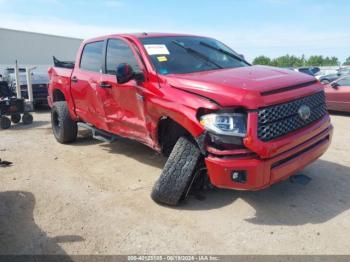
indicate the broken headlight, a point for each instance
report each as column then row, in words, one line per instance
column 229, row 124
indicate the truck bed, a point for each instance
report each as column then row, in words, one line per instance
column 60, row 78
column 61, row 73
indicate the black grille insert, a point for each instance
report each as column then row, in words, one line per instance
column 279, row 120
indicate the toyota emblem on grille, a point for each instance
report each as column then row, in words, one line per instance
column 304, row 112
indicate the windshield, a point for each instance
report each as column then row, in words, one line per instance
column 188, row 54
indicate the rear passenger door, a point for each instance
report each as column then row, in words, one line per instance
column 124, row 105
column 85, row 88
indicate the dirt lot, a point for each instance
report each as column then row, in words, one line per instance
column 93, row 198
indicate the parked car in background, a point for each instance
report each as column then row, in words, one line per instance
column 329, row 78
column 324, row 72
column 40, row 83
column 344, row 71
column 326, row 79
column 308, row 70
column 338, row 94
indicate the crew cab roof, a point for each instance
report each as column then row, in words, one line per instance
column 150, row 35
column 136, row 35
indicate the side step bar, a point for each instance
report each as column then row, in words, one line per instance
column 98, row 133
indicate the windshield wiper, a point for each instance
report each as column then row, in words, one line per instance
column 197, row 54
column 224, row 52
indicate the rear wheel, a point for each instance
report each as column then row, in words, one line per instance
column 15, row 118
column 5, row 122
column 64, row 128
column 177, row 176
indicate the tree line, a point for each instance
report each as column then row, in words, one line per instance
column 295, row 61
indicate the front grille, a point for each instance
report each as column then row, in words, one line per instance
column 279, row 120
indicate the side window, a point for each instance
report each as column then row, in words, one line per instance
column 92, row 56
column 119, row 52
column 344, row 81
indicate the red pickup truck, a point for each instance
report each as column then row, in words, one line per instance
column 197, row 101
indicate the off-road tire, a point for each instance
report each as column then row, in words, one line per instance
column 5, row 122
column 15, row 118
column 27, row 119
column 178, row 173
column 64, row 128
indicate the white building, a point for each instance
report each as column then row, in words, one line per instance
column 34, row 48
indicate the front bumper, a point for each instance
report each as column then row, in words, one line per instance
column 262, row 172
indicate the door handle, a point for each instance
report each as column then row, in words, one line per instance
column 74, row 79
column 105, row 85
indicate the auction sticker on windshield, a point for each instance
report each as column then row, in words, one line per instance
column 157, row 49
column 162, row 58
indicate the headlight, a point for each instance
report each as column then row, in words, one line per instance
column 230, row 124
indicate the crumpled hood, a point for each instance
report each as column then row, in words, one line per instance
column 238, row 86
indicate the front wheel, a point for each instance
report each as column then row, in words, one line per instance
column 64, row 128
column 178, row 174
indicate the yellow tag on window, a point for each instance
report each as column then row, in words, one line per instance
column 162, row 58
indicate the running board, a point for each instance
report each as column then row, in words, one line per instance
column 98, row 133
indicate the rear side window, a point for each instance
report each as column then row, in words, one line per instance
column 119, row 52
column 92, row 56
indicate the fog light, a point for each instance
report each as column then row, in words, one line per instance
column 239, row 176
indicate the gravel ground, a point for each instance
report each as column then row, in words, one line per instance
column 93, row 198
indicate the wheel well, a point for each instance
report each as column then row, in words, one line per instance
column 58, row 96
column 169, row 132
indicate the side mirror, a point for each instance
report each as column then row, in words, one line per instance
column 335, row 85
column 124, row 73
column 139, row 77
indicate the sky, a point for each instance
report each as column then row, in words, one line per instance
column 251, row 27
